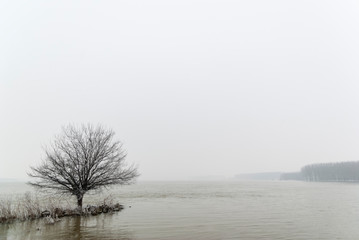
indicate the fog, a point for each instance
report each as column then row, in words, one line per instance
column 192, row 88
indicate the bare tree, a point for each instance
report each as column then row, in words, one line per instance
column 82, row 159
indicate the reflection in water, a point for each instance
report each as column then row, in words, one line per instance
column 92, row 227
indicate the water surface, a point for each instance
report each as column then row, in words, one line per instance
column 210, row 210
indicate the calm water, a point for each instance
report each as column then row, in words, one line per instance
column 210, row 210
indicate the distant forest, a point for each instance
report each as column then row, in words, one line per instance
column 326, row 172
column 292, row 176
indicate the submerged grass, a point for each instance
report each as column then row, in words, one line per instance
column 24, row 207
column 30, row 206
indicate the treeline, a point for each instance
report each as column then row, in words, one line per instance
column 331, row 172
column 292, row 176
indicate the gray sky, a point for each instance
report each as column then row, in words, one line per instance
column 192, row 88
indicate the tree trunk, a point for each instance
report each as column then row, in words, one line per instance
column 79, row 201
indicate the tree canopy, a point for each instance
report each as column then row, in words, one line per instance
column 81, row 159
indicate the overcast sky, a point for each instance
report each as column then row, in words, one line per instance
column 192, row 88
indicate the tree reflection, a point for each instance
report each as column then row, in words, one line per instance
column 92, row 228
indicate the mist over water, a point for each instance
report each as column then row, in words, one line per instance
column 212, row 210
column 194, row 89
